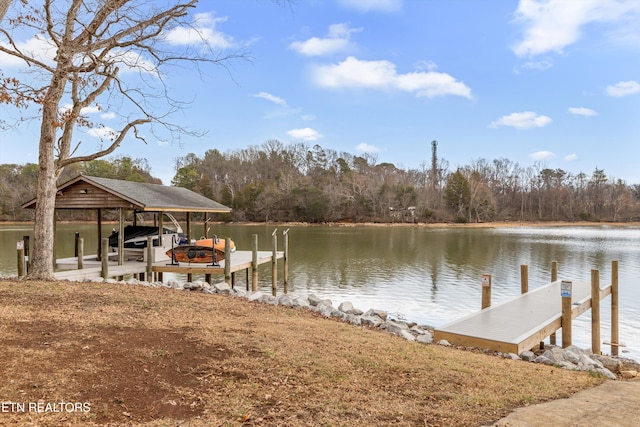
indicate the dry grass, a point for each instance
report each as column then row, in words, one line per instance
column 161, row 357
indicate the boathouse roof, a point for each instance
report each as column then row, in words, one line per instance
column 90, row 192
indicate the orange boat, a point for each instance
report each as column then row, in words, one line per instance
column 215, row 242
column 197, row 254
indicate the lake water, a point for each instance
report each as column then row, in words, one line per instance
column 427, row 275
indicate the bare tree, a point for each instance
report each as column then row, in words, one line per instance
column 4, row 6
column 90, row 42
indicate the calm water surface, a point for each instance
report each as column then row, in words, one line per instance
column 426, row 275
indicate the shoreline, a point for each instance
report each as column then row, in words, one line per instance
column 493, row 224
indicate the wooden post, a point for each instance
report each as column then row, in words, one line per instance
column 285, row 273
column 486, row 291
column 55, row 233
column 160, row 227
column 189, row 229
column 247, row 279
column 149, row 259
column 554, row 277
column 254, row 263
column 99, row 249
column 595, row 312
column 120, row 238
column 105, row 258
column 25, row 239
column 274, row 262
column 20, row 249
column 615, row 336
column 565, row 292
column 524, row 279
column 80, row 252
column 227, row 261
column 75, row 244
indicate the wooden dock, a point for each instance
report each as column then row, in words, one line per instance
column 523, row 322
column 155, row 263
column 239, row 260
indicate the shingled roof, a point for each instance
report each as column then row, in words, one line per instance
column 90, row 192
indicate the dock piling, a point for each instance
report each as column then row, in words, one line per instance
column 286, row 261
column 554, row 277
column 254, row 263
column 105, row 258
column 614, row 309
column 227, row 261
column 565, row 292
column 595, row 312
column 149, row 269
column 524, row 279
column 21, row 263
column 274, row 262
column 486, row 291
column 80, row 251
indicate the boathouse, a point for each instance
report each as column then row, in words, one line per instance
column 90, row 192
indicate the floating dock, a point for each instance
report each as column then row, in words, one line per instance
column 523, row 322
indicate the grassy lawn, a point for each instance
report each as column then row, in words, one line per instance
column 81, row 353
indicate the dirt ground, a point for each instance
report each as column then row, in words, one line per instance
column 88, row 353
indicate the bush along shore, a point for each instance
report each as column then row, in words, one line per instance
column 571, row 357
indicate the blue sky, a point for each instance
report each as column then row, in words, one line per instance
column 555, row 81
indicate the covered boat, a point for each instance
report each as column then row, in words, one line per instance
column 135, row 237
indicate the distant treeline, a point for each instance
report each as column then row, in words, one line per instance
column 296, row 182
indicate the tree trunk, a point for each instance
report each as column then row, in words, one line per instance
column 48, row 173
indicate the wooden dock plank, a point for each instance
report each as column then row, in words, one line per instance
column 240, row 260
column 518, row 325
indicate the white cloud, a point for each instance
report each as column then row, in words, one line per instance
column 367, row 148
column 541, row 65
column 621, row 89
column 102, row 132
column 41, row 49
column 382, row 75
column 271, row 98
column 203, row 30
column 44, row 51
column 372, row 5
column 571, row 157
column 542, row 155
column 523, row 120
column 551, row 25
column 108, row 116
column 338, row 40
column 305, row 134
column 582, row 111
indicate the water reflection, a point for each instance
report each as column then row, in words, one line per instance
column 427, row 275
